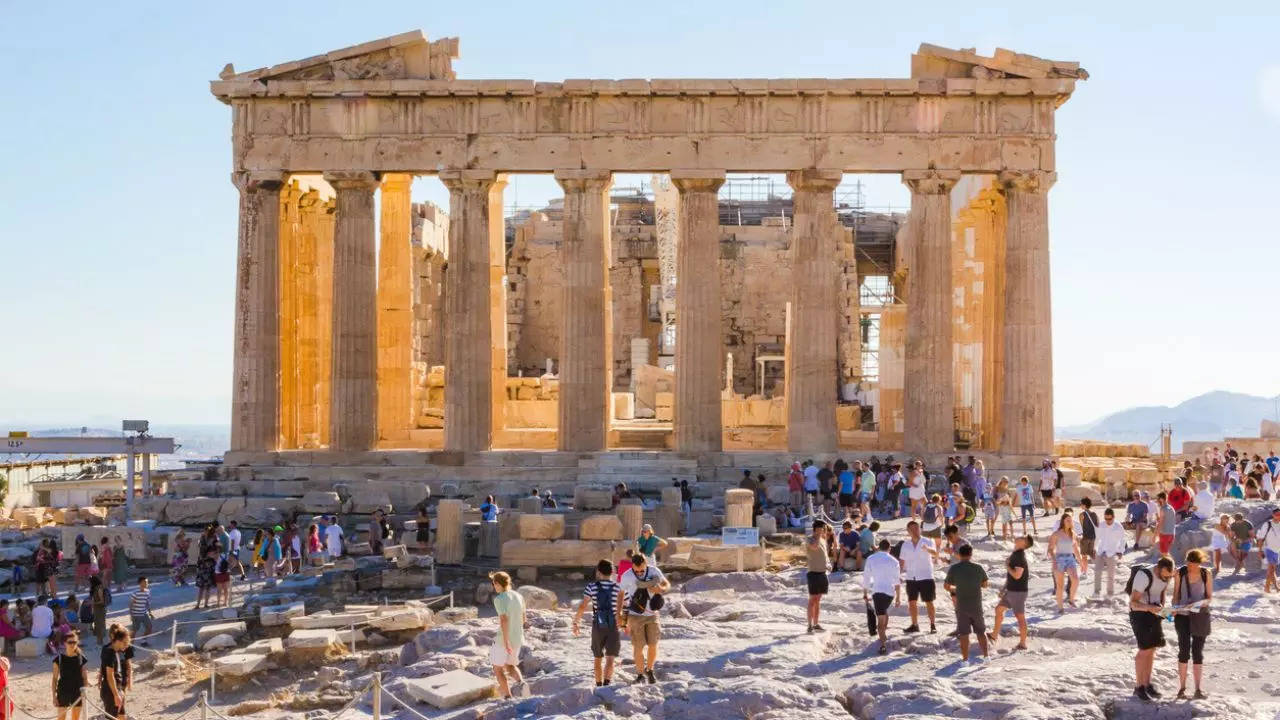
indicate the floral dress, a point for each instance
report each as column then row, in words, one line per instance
column 179, row 570
column 206, row 566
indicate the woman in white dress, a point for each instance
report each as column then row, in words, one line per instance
column 1221, row 542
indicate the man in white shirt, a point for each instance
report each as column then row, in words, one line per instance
column 642, row 625
column 1204, row 501
column 1109, row 546
column 235, row 538
column 1268, row 534
column 1048, row 482
column 41, row 618
column 880, row 579
column 333, row 538
column 1146, row 617
column 916, row 559
column 811, row 485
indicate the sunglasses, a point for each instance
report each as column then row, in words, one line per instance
column 73, row 642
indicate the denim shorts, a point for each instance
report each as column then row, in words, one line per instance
column 1065, row 562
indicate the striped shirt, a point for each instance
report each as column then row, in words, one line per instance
column 140, row 602
column 603, row 595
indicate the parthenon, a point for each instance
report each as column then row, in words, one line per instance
column 411, row 338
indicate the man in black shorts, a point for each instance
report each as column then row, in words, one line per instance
column 965, row 581
column 917, row 556
column 819, row 563
column 1146, row 617
column 603, row 594
column 880, row 579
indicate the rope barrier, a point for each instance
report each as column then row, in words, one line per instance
column 351, row 703
column 404, row 705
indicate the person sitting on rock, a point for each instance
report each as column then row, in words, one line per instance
column 847, row 542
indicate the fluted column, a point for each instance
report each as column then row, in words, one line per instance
column 698, row 342
column 255, row 391
column 586, row 343
column 353, row 416
column 395, row 310
column 813, row 374
column 929, row 401
column 472, row 306
column 311, row 209
column 1027, row 423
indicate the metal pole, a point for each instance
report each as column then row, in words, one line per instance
column 173, row 640
column 377, row 696
column 128, row 487
column 213, row 671
column 146, row 474
column 353, row 639
column 450, row 598
column 204, row 705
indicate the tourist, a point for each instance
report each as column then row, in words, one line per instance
column 182, row 546
column 932, row 518
column 827, row 478
column 504, row 655
column 916, row 560
column 964, row 582
column 9, row 630
column 106, row 561
column 292, row 546
column 847, row 488
column 1088, row 535
column 989, row 509
column 1242, row 537
column 333, row 538
column 686, row 503
column 1064, row 553
column 1268, row 534
column 951, row 541
column 41, row 618
column 233, row 550
column 222, row 581
column 1136, row 517
column 119, row 564
column 916, row 490
column 116, row 675
column 1109, row 547
column 60, row 630
column 489, row 509
column 84, row 560
column 1180, row 499
column 847, row 544
column 1014, row 595
column 99, row 598
column 70, row 677
column 140, row 609
column 1146, row 587
column 867, row 541
column 881, row 575
column 649, row 544
column 22, row 620
column 603, row 594
column 255, row 560
column 380, row 532
column 866, row 490
column 206, row 566
column 642, row 590
column 313, row 548
column 816, row 577
column 1026, row 503
column 1048, row 483
column 1220, row 541
column 897, row 485
column 1204, row 502
column 1166, row 523
column 85, row 614
column 1192, row 584
column 795, row 486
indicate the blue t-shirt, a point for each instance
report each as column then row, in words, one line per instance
column 1024, row 495
column 1137, row 511
column 868, row 541
column 1272, row 463
column 489, row 512
column 849, row 540
column 846, row 483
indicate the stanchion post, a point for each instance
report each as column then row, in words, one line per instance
column 353, row 638
column 450, row 598
column 213, row 671
column 173, row 639
column 377, row 696
column 204, row 705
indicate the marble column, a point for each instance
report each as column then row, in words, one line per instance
column 739, row 506
column 1027, row 412
column 929, row 402
column 449, row 547
column 311, row 208
column 813, row 376
column 395, row 310
column 255, row 389
column 586, row 340
column 290, row 361
column 631, row 513
column 353, row 415
column 473, row 309
column 698, row 342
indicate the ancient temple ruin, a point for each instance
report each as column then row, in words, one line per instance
column 669, row 321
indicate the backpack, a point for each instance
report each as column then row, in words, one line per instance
column 930, row 513
column 1133, row 573
column 605, row 617
column 1263, row 537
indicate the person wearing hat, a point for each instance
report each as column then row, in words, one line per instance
column 649, row 544
column 642, row 588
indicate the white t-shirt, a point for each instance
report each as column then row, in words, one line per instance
column 235, row 536
column 333, row 539
column 1048, row 478
column 41, row 621
column 916, row 490
column 1220, row 541
column 629, row 583
column 916, row 560
column 811, row 479
column 1268, row 534
column 1204, row 504
column 1153, row 589
column 880, row 574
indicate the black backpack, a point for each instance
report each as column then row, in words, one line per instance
column 605, row 617
column 930, row 513
column 1133, row 573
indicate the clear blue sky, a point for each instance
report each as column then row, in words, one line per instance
column 118, row 221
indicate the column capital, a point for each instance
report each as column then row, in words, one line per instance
column 1031, row 181
column 575, row 180
column 250, row 180
column 470, row 179
column 396, row 182
column 930, row 182
column 351, row 179
column 815, row 179
column 697, row 180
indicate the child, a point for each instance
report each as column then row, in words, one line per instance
column 989, row 511
column 222, row 577
column 1004, row 506
column 71, row 608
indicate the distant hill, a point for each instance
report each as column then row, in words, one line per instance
column 1211, row 416
column 195, row 442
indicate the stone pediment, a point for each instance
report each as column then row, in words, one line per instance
column 933, row 61
column 407, row 56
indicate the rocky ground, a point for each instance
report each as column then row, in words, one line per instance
column 734, row 646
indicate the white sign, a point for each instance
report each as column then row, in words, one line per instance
column 740, row 536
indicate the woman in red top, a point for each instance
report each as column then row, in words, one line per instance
column 1180, row 498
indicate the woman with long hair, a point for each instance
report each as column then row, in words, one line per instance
column 181, row 548
column 1064, row 553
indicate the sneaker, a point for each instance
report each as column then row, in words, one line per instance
column 1141, row 693
column 819, row 628
column 883, row 650
column 810, row 630
column 933, row 629
column 606, row 682
column 1151, row 690
column 1199, row 695
column 912, row 629
column 652, row 680
column 639, row 679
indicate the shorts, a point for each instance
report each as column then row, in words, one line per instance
column 1087, row 547
column 1273, row 557
column 934, row 533
column 925, row 590
column 498, row 654
column 605, row 641
column 967, row 622
column 818, row 584
column 1046, row 494
column 881, row 602
column 1065, row 562
column 1028, row 511
column 1166, row 542
column 67, row 700
column 1015, row 600
column 846, row 500
column 1244, row 545
column 82, row 571
column 109, row 703
column 1148, row 629
column 644, row 629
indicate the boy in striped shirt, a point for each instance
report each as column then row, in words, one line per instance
column 604, row 596
column 140, row 610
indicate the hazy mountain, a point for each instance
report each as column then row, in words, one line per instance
column 195, row 442
column 1211, row 416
